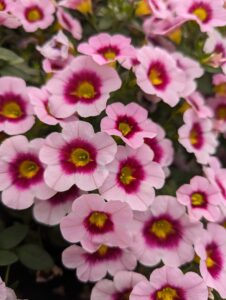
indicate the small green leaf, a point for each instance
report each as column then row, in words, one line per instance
column 12, row 236
column 7, row 258
column 34, row 257
column 10, row 56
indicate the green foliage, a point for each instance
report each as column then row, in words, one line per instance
column 35, row 257
column 7, row 258
column 13, row 236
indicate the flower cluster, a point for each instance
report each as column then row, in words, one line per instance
column 121, row 146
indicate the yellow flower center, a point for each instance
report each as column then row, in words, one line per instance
column 201, row 13
column 85, row 6
column 167, row 294
column 210, row 262
column 98, row 219
column 34, row 15
column 80, row 157
column 126, row 175
column 11, row 110
column 220, row 89
column 176, row 36
column 224, row 224
column 142, row 8
column 102, row 251
column 125, row 128
column 109, row 55
column 194, row 137
column 84, row 90
column 155, row 77
column 197, row 199
column 28, row 169
column 221, row 113
column 162, row 229
column 2, row 5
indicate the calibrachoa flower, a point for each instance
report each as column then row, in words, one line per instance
column 129, row 122
column 39, row 98
column 77, row 156
column 161, row 9
column 219, row 82
column 94, row 222
column 206, row 13
column 83, row 87
column 52, row 211
column 165, row 232
column 84, row 6
column 201, row 199
column 69, row 23
column 218, row 105
column 21, row 173
column 169, row 283
column 34, row 14
column 198, row 105
column 158, row 74
column 133, row 174
column 216, row 44
column 9, row 20
column 16, row 112
column 105, row 49
column 191, row 70
column 95, row 266
column 57, row 48
column 211, row 249
column 217, row 176
column 6, row 293
column 197, row 136
column 161, row 147
column 118, row 289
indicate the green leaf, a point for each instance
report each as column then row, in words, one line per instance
column 34, row 257
column 10, row 56
column 7, row 258
column 12, row 236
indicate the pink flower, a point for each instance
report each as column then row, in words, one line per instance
column 16, row 113
column 69, row 23
column 206, row 13
column 217, row 176
column 216, row 44
column 77, row 156
column 5, row 292
column 133, row 174
column 191, row 70
column 164, row 232
column 105, row 49
column 21, row 175
column 83, row 87
column 52, row 211
column 54, row 66
column 211, row 248
column 155, row 26
column 8, row 20
column 34, row 14
column 95, row 266
column 198, row 105
column 169, row 283
column 94, row 222
column 39, row 100
column 197, row 136
column 57, row 48
column 201, row 199
column 219, row 82
column 161, row 147
column 218, row 105
column 158, row 74
column 129, row 122
column 119, row 288
column 161, row 9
